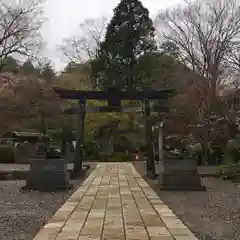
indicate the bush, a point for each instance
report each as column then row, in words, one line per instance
column 232, row 150
column 114, row 157
column 195, row 150
column 6, row 154
column 229, row 170
column 55, row 135
column 91, row 149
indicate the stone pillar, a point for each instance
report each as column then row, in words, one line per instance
column 160, row 142
column 78, row 156
column 151, row 171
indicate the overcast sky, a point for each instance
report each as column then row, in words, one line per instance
column 65, row 15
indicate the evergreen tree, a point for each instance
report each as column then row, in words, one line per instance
column 10, row 65
column 171, row 49
column 129, row 35
column 47, row 72
column 28, row 69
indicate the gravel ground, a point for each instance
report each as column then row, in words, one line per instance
column 23, row 213
column 211, row 215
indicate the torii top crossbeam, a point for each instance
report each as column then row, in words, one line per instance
column 113, row 93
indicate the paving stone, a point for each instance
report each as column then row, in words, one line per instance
column 69, row 235
column 161, row 238
column 180, row 232
column 114, row 203
column 46, row 234
column 137, row 233
column 158, row 231
column 185, row 237
column 152, row 220
column 54, row 225
column 89, row 237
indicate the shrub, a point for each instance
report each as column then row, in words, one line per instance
column 56, row 135
column 91, row 149
column 195, row 150
column 229, row 170
column 6, row 154
column 114, row 157
column 232, row 150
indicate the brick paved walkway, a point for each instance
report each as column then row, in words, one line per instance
column 114, row 203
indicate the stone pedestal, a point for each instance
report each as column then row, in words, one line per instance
column 48, row 175
column 69, row 154
column 179, row 175
column 23, row 152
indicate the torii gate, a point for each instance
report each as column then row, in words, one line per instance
column 114, row 97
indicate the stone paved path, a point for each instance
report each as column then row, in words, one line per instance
column 114, row 203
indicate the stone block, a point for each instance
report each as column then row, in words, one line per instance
column 48, row 175
column 179, row 174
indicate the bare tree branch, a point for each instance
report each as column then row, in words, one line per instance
column 233, row 64
column 205, row 32
column 20, row 29
column 82, row 47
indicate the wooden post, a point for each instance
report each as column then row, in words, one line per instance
column 151, row 172
column 78, row 156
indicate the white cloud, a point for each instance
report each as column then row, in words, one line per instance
column 65, row 15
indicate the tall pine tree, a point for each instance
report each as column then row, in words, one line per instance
column 129, row 35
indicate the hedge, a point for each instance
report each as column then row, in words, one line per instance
column 114, row 157
column 229, row 171
column 6, row 154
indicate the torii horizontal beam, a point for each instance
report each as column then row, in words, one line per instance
column 101, row 109
column 113, row 93
column 95, row 109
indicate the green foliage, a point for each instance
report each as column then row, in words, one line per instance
column 170, row 49
column 47, row 72
column 229, row 171
column 154, row 68
column 27, row 68
column 10, row 65
column 176, row 153
column 73, row 67
column 195, row 150
column 55, row 135
column 6, row 154
column 232, row 150
column 90, row 146
column 129, row 35
column 114, row 157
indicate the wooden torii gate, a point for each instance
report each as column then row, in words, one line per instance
column 113, row 96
